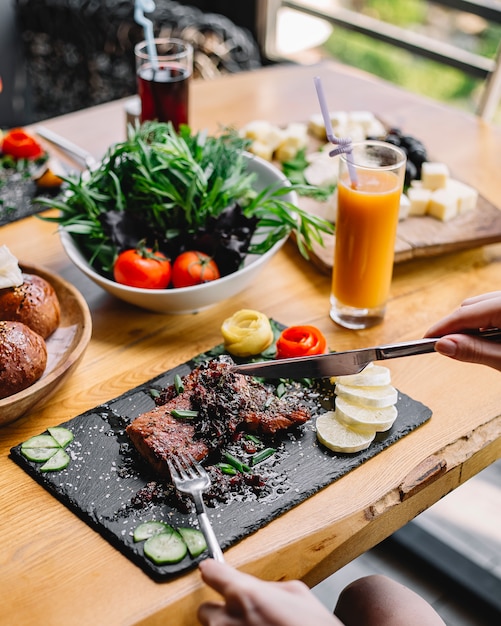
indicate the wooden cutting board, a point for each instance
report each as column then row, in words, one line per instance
column 417, row 237
column 424, row 236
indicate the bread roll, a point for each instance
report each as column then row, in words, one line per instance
column 23, row 357
column 34, row 303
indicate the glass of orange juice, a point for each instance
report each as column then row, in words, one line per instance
column 370, row 184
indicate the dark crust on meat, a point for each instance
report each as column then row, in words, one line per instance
column 225, row 401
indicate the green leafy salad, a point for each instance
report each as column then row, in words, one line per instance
column 180, row 191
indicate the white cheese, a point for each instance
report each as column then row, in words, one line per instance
column 323, row 170
column 262, row 150
column 434, row 175
column 467, row 196
column 316, row 126
column 405, row 204
column 10, row 272
column 443, row 204
column 293, row 139
column 419, row 199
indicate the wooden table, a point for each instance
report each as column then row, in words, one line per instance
column 55, row 569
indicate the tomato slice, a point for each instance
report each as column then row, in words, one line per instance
column 20, row 145
column 300, row 341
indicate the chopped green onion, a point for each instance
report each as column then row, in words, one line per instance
column 252, row 438
column 262, row 455
column 226, row 468
column 154, row 393
column 184, row 413
column 238, row 465
column 178, row 384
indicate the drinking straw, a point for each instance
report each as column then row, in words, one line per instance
column 343, row 143
column 140, row 7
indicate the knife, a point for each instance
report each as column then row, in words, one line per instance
column 349, row 362
column 78, row 154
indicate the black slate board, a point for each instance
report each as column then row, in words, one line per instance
column 97, row 489
column 17, row 193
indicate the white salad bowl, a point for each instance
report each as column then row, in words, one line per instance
column 198, row 297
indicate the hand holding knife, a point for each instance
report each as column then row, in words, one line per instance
column 343, row 363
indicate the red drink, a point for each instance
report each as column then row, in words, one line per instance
column 164, row 93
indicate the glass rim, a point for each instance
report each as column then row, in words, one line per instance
column 376, row 143
column 185, row 49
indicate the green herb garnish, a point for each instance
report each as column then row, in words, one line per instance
column 186, row 414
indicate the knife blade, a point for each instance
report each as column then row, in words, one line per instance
column 78, row 154
column 348, row 362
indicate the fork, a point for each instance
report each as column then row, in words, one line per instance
column 190, row 477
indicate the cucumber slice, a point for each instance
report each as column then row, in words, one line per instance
column 149, row 529
column 166, row 547
column 62, row 435
column 39, row 455
column 57, row 461
column 40, row 441
column 194, row 539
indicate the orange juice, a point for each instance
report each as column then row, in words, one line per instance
column 366, row 227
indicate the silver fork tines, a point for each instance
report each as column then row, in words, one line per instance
column 190, row 477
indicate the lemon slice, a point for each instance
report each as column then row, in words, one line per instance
column 371, row 376
column 363, row 418
column 340, row 438
column 372, row 397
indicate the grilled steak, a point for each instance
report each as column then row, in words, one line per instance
column 225, row 402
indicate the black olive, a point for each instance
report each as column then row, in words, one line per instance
column 411, row 173
column 418, row 156
column 393, row 139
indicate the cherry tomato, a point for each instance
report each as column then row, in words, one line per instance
column 193, row 268
column 142, row 267
column 18, row 144
column 300, row 341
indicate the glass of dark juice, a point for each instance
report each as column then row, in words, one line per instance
column 164, row 68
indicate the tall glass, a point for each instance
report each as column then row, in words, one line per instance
column 370, row 184
column 163, row 81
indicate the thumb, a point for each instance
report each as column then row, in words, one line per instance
column 470, row 349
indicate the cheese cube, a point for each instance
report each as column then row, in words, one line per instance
column 316, row 126
column 362, row 119
column 419, row 199
column 434, row 175
column 322, row 172
column 467, row 195
column 286, row 151
column 295, row 134
column 262, row 150
column 443, row 204
column 404, row 208
column 263, row 132
column 338, row 118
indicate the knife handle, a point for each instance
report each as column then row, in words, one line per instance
column 422, row 346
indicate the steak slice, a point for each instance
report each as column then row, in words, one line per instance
column 225, row 402
column 157, row 435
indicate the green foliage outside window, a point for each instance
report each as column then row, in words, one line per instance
column 410, row 71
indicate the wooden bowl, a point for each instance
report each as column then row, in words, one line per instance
column 65, row 347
